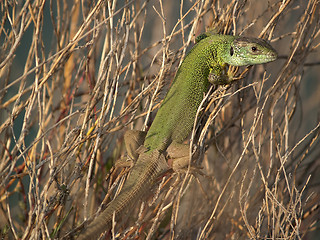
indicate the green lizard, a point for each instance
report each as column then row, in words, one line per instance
column 204, row 64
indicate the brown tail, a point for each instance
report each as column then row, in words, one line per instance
column 148, row 167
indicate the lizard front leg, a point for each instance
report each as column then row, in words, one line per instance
column 219, row 75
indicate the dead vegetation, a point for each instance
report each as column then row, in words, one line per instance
column 75, row 75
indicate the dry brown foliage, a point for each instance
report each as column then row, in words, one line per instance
column 75, row 75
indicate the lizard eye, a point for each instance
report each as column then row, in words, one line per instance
column 231, row 51
column 254, row 49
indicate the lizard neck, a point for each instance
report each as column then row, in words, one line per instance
column 175, row 118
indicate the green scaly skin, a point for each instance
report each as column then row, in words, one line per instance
column 174, row 120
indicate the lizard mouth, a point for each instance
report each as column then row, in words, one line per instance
column 272, row 56
column 268, row 57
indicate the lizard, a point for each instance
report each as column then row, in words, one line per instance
column 205, row 64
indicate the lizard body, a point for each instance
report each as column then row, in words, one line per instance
column 173, row 123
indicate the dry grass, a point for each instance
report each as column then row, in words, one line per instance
column 75, row 75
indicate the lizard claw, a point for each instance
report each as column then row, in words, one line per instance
column 193, row 170
column 124, row 162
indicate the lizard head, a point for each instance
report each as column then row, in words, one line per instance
column 248, row 51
